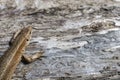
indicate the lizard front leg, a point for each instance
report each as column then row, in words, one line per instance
column 13, row 37
column 12, row 40
column 29, row 59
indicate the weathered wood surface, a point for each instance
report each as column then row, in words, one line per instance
column 78, row 40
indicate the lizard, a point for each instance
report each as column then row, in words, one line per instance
column 13, row 55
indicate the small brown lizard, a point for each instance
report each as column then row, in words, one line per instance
column 11, row 58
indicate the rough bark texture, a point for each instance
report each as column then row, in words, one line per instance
column 81, row 38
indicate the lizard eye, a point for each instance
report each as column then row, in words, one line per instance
column 27, row 39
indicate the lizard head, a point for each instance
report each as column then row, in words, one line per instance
column 24, row 33
column 27, row 32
